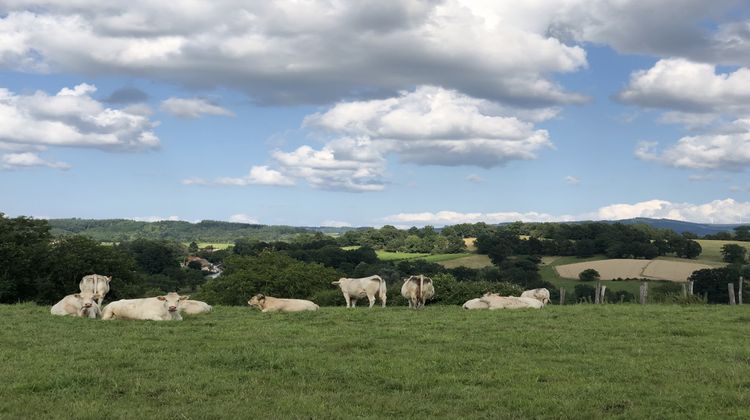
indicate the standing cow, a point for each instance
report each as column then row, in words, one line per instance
column 97, row 284
column 354, row 289
column 80, row 304
column 417, row 289
column 540, row 294
column 160, row 308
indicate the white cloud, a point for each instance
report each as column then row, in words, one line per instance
column 192, row 108
column 243, row 218
column 71, row 118
column 335, row 223
column 298, row 52
column 690, row 87
column 572, row 180
column 258, row 175
column 475, row 178
column 717, row 211
column 716, row 151
column 29, row 160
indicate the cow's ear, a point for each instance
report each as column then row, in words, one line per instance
column 337, row 282
column 77, row 295
column 161, row 297
column 261, row 296
column 184, row 297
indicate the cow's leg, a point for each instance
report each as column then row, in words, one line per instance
column 371, row 298
column 348, row 300
column 354, row 303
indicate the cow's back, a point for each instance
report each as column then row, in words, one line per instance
column 193, row 307
column 135, row 309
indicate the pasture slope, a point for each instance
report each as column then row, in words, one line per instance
column 574, row 362
column 634, row 268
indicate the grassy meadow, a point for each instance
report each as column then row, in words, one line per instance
column 581, row 361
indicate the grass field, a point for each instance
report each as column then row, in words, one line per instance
column 397, row 256
column 610, row 269
column 578, row 361
column 712, row 249
column 469, row 260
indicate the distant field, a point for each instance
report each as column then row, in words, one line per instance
column 470, row 244
column 469, row 261
column 397, row 256
column 712, row 249
column 215, row 245
column 569, row 362
column 632, row 268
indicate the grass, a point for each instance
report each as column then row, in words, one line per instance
column 398, row 256
column 577, row 361
column 712, row 249
column 470, row 261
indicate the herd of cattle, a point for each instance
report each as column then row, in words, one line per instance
column 416, row 289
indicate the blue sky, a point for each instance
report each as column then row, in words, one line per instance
column 404, row 112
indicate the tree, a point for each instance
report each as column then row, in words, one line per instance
column 733, row 253
column 742, row 233
column 589, row 274
column 713, row 283
column 24, row 249
column 193, row 248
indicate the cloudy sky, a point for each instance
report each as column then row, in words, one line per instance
column 407, row 112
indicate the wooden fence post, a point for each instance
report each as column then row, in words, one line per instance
column 562, row 296
column 597, row 290
column 690, row 287
column 731, row 293
column 604, row 289
column 684, row 290
column 739, row 292
column 644, row 292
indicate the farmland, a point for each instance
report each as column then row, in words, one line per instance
column 579, row 361
column 631, row 268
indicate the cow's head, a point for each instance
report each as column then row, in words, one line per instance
column 86, row 299
column 172, row 300
column 257, row 300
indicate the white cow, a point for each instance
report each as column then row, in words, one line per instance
column 272, row 304
column 159, row 308
column 80, row 304
column 354, row 289
column 495, row 301
column 541, row 295
column 476, row 304
column 417, row 289
column 95, row 283
column 193, row 307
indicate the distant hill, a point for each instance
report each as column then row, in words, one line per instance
column 700, row 229
column 117, row 230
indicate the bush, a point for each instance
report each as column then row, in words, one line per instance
column 589, row 274
column 449, row 291
column 270, row 273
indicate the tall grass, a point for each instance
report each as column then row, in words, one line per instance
column 580, row 361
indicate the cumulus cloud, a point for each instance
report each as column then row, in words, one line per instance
column 716, row 151
column 475, row 178
column 156, row 219
column 243, row 218
column 572, row 180
column 299, row 52
column 690, row 87
column 192, row 108
column 72, row 118
column 258, row 175
column 29, row 160
column 717, row 211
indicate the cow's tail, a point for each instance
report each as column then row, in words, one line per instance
column 382, row 291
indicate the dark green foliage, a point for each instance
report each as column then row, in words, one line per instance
column 584, row 293
column 154, row 257
column 733, row 253
column 389, row 238
column 448, row 291
column 742, row 233
column 270, row 273
column 589, row 274
column 24, row 247
column 713, row 283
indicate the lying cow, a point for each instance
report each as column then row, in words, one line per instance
column 272, row 304
column 194, row 307
column 160, row 308
column 95, row 283
column 354, row 289
column 476, row 304
column 541, row 295
column 417, row 290
column 80, row 304
column 495, row 301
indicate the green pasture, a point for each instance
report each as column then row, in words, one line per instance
column 712, row 249
column 569, row 362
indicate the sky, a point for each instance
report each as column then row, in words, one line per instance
column 339, row 113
